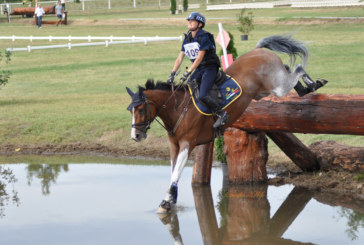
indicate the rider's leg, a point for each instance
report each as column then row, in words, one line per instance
column 208, row 77
column 196, row 75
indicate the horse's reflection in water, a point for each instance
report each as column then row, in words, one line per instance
column 245, row 216
column 170, row 220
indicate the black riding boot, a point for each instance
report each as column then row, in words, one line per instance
column 216, row 109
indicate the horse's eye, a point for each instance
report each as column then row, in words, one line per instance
column 141, row 112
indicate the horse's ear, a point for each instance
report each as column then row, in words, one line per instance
column 129, row 91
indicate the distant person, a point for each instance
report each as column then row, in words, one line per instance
column 6, row 9
column 63, row 2
column 59, row 12
column 39, row 12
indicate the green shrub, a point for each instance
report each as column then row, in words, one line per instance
column 173, row 6
column 185, row 5
column 219, row 148
column 245, row 22
column 231, row 47
column 4, row 74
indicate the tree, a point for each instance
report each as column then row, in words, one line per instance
column 4, row 74
column 245, row 21
column 7, row 195
column 185, row 5
column 173, row 6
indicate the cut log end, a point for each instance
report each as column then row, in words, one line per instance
column 331, row 154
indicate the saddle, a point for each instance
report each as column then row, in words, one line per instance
column 225, row 90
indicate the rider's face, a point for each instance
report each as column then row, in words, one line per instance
column 192, row 25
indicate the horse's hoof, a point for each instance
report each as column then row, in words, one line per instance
column 165, row 218
column 321, row 82
column 164, row 207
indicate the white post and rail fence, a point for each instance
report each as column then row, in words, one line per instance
column 107, row 40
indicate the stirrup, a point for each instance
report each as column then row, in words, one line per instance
column 223, row 117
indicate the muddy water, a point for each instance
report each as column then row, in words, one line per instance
column 95, row 203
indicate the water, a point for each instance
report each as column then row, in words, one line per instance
column 116, row 204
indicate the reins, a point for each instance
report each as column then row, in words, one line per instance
column 146, row 125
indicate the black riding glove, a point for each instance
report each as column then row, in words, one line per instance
column 185, row 75
column 171, row 78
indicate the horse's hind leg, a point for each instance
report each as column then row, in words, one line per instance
column 300, row 89
column 311, row 85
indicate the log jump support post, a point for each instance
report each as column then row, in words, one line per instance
column 279, row 118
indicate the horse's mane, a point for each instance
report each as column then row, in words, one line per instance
column 151, row 85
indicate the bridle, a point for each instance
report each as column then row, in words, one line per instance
column 144, row 126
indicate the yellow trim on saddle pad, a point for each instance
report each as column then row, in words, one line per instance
column 209, row 114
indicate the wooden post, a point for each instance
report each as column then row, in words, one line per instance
column 65, row 18
column 247, row 155
column 247, row 213
column 300, row 154
column 206, row 214
column 203, row 164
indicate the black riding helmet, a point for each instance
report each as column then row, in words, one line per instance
column 197, row 17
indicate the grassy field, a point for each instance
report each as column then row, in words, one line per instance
column 62, row 96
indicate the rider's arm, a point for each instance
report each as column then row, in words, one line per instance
column 197, row 61
column 178, row 61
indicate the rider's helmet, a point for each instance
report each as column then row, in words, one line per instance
column 198, row 17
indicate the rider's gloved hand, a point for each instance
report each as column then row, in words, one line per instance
column 185, row 75
column 171, row 78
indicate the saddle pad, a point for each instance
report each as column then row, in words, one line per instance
column 230, row 91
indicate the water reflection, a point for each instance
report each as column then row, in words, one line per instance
column 107, row 202
column 355, row 221
column 170, row 220
column 47, row 173
column 245, row 216
column 7, row 192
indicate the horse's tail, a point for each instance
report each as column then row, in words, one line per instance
column 285, row 44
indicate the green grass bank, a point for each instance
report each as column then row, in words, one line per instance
column 61, row 96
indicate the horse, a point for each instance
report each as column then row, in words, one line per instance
column 259, row 73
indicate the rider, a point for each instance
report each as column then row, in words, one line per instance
column 199, row 47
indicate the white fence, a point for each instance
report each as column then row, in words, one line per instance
column 326, row 3
column 90, row 38
column 240, row 6
column 288, row 3
column 108, row 41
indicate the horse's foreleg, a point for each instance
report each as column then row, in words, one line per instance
column 171, row 197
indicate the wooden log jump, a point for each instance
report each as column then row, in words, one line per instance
column 52, row 22
column 279, row 118
column 313, row 113
column 30, row 10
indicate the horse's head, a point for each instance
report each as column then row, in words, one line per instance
column 142, row 114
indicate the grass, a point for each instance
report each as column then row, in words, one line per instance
column 64, row 96
column 359, row 176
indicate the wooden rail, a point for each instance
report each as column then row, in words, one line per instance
column 313, row 113
column 278, row 118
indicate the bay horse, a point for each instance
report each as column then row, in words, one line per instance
column 259, row 72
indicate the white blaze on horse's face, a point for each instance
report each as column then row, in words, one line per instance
column 133, row 130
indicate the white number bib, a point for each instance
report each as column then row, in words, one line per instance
column 191, row 50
